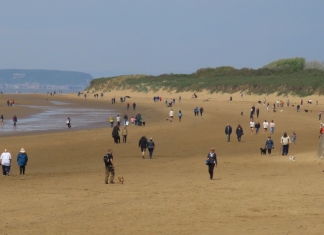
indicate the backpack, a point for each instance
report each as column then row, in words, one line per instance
column 106, row 159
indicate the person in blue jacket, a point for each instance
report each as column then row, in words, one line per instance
column 22, row 160
column 269, row 145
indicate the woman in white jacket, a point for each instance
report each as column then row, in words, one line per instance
column 285, row 141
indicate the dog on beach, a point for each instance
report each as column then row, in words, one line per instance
column 306, row 110
column 263, row 151
column 292, row 158
column 121, row 180
column 143, row 123
column 205, row 100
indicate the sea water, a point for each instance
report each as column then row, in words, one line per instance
column 53, row 118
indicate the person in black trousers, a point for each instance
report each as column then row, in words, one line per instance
column 142, row 143
column 115, row 134
column 201, row 111
column 211, row 157
column 228, row 132
column 239, row 132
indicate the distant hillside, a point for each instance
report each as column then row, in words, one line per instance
column 282, row 77
column 36, row 79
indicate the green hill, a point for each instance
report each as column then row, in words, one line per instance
column 282, row 77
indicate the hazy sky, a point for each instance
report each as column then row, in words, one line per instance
column 113, row 37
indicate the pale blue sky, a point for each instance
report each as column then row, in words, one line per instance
column 114, row 37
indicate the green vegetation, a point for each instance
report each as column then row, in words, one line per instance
column 293, row 64
column 281, row 76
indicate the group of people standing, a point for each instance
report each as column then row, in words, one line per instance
column 285, row 139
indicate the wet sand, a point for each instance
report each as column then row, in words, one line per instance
column 64, row 192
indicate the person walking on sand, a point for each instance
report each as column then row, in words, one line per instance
column 111, row 120
column 124, row 133
column 228, row 132
column 196, row 111
column 2, row 120
column 109, row 167
column 142, row 143
column 150, row 147
column 257, row 127
column 252, row 124
column 239, row 132
column 272, row 127
column 115, row 134
column 212, row 162
column 179, row 115
column 22, row 160
column 257, row 112
column 118, row 120
column 269, row 145
column 294, row 137
column 68, row 122
column 5, row 162
column 171, row 115
column 132, row 120
column 265, row 127
column 15, row 120
column 125, row 120
column 285, row 141
column 319, row 115
column 134, row 106
column 201, row 111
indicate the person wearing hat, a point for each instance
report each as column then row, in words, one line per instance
column 5, row 161
column 142, row 143
column 22, row 160
column 212, row 162
column 150, row 146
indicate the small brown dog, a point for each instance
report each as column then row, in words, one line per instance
column 121, row 180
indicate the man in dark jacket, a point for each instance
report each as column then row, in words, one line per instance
column 115, row 134
column 228, row 132
column 143, row 144
column 201, row 111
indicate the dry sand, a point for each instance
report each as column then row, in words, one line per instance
column 64, row 192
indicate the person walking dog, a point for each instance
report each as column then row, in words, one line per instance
column 109, row 167
column 269, row 145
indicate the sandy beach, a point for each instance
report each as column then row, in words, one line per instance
column 63, row 191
